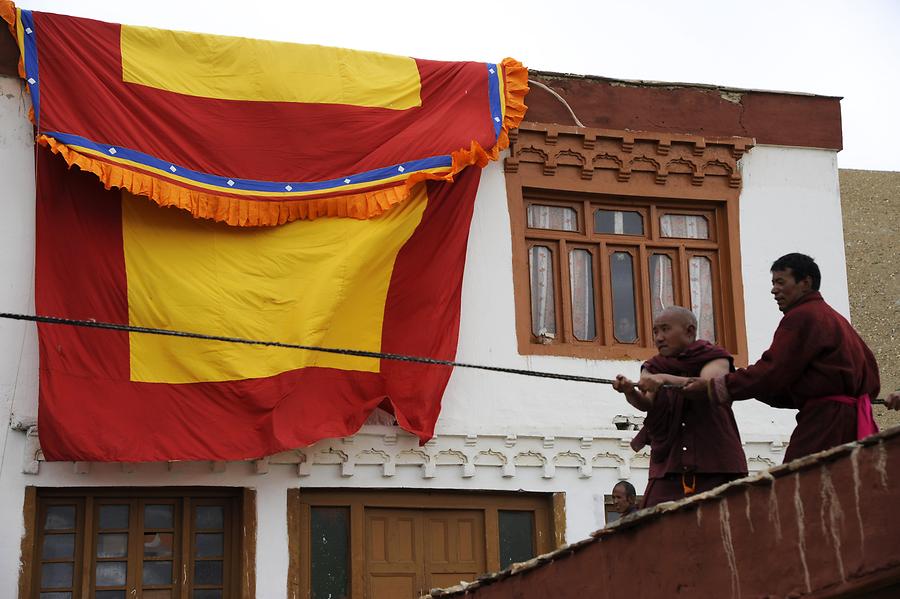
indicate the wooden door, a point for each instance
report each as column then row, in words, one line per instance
column 410, row 551
column 394, row 555
column 454, row 541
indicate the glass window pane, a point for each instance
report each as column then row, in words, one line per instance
column 618, row 222
column 543, row 299
column 329, row 536
column 210, row 545
column 208, row 572
column 111, row 574
column 56, row 595
column 157, row 572
column 58, row 546
column 685, row 226
column 110, row 595
column 60, row 517
column 112, row 545
column 113, row 516
column 700, row 269
column 210, row 516
column 662, row 283
column 516, row 537
column 54, row 576
column 207, row 594
column 158, row 544
column 624, row 316
column 159, row 516
column 558, row 218
column 581, row 279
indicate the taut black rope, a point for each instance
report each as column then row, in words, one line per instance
column 111, row 326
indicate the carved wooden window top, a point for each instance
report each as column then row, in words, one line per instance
column 612, row 227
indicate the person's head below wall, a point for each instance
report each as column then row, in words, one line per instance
column 793, row 276
column 624, row 497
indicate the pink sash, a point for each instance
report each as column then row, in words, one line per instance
column 865, row 420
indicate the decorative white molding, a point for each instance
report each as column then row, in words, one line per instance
column 450, row 458
column 758, row 463
column 32, row 456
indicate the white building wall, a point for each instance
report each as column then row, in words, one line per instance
column 495, row 432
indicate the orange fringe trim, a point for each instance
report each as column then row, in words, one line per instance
column 245, row 212
column 8, row 13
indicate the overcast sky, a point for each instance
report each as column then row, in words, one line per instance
column 832, row 47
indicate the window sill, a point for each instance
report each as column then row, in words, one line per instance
column 587, row 351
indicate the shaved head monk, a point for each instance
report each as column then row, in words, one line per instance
column 817, row 364
column 694, row 445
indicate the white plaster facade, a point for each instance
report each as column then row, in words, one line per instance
column 496, row 431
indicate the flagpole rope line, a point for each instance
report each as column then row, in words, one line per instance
column 111, row 326
column 94, row 324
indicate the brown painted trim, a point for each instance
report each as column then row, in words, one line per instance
column 653, row 173
column 294, row 553
column 27, row 546
column 559, row 520
column 187, row 509
column 86, row 556
column 492, row 539
column 248, row 524
column 9, row 52
column 776, row 118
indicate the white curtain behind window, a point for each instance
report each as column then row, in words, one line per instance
column 543, row 295
column 662, row 287
column 700, row 270
column 543, row 306
column 685, row 226
column 581, row 279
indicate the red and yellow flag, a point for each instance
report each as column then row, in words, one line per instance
column 317, row 206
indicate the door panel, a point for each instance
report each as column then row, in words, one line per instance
column 394, row 553
column 393, row 586
column 455, row 539
column 411, row 551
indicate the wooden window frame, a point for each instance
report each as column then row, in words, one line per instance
column 548, row 511
column 240, row 555
column 535, row 177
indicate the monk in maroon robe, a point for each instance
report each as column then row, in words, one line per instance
column 694, row 445
column 817, row 364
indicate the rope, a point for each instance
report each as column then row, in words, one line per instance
column 558, row 97
column 111, row 326
column 94, row 324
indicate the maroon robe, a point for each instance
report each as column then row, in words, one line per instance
column 697, row 439
column 815, row 354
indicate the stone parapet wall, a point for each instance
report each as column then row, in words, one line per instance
column 821, row 526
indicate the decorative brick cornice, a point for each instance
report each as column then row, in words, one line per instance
column 664, row 157
column 447, row 459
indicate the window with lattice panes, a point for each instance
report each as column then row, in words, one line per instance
column 114, row 544
column 600, row 268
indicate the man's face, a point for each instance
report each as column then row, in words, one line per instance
column 672, row 333
column 621, row 501
column 787, row 290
